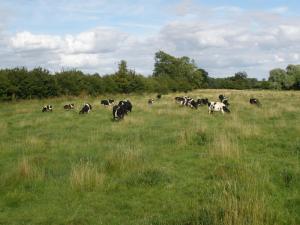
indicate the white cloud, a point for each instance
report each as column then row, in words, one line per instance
column 223, row 40
column 27, row 41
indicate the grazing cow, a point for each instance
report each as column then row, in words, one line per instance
column 47, row 108
column 202, row 101
column 191, row 103
column 224, row 99
column 187, row 101
column 127, row 105
column 151, row 101
column 119, row 111
column 69, row 106
column 254, row 101
column 179, row 99
column 107, row 102
column 158, row 96
column 217, row 106
column 85, row 109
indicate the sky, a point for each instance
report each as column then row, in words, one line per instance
column 223, row 37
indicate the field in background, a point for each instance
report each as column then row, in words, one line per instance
column 163, row 164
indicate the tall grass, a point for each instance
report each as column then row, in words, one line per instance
column 163, row 164
column 86, row 177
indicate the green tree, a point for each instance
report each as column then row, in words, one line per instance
column 181, row 70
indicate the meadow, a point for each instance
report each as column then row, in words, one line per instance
column 162, row 165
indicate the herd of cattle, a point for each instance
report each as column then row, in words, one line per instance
column 125, row 106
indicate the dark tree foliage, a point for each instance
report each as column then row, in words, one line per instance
column 239, row 81
column 170, row 74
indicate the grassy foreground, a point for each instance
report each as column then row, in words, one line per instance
column 163, row 164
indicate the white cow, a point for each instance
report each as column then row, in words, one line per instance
column 217, row 106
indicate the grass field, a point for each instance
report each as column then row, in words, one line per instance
column 163, row 164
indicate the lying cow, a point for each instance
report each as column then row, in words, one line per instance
column 224, row 99
column 217, row 106
column 85, row 109
column 47, row 108
column 69, row 106
column 107, row 102
column 254, row 101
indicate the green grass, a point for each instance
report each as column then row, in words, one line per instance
column 163, row 164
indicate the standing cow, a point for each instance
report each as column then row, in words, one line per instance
column 127, row 105
column 224, row 100
column 120, row 110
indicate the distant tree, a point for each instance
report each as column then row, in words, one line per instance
column 182, row 71
column 294, row 72
column 71, row 82
column 278, row 78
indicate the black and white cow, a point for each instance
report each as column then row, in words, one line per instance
column 224, row 99
column 107, row 102
column 119, row 111
column 191, row 103
column 47, row 108
column 127, row 105
column 69, row 106
column 254, row 101
column 150, row 101
column 187, row 101
column 217, row 107
column 202, row 101
column 86, row 108
column 179, row 99
column 158, row 96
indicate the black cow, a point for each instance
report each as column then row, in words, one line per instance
column 224, row 100
column 158, row 96
column 193, row 104
column 119, row 111
column 47, row 108
column 86, row 108
column 127, row 105
column 254, row 101
column 69, row 106
column 107, row 102
column 202, row 101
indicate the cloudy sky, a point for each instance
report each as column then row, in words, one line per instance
column 223, row 37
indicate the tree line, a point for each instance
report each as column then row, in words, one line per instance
column 170, row 74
